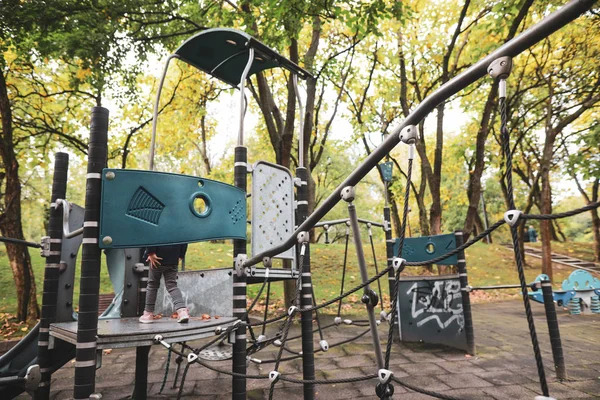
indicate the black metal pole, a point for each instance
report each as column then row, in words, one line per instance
column 89, row 286
column 554, row 331
column 389, row 250
column 143, row 287
column 239, row 289
column 140, row 390
column 466, row 299
column 306, row 294
column 51, row 273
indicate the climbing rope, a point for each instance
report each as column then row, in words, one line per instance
column 162, row 386
column 280, row 359
column 505, row 137
column 290, row 318
column 343, row 271
column 388, row 348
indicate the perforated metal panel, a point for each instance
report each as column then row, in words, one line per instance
column 272, row 208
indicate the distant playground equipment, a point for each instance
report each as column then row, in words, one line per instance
column 580, row 293
column 135, row 216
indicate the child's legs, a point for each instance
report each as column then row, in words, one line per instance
column 154, row 275
column 170, row 274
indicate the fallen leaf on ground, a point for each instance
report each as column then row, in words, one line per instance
column 107, row 351
column 205, row 316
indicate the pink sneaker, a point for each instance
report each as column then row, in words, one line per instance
column 147, row 317
column 183, row 315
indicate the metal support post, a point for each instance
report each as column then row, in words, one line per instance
column 466, row 299
column 239, row 290
column 554, row 331
column 369, row 297
column 306, row 294
column 51, row 273
column 140, row 390
column 89, row 286
column 389, row 250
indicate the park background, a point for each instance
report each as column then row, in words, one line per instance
column 373, row 63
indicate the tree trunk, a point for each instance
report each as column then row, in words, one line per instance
column 596, row 230
column 546, row 208
column 10, row 219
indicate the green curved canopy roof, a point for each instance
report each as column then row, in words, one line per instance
column 223, row 53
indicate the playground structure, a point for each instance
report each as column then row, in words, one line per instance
column 156, row 207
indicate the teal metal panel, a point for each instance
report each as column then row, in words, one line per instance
column 428, row 247
column 147, row 208
column 386, row 170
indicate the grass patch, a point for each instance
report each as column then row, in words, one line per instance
column 487, row 265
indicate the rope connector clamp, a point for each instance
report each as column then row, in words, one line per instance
column 158, row 339
column 500, row 68
column 240, row 259
column 512, row 217
column 408, row 134
column 348, row 194
column 45, row 249
column 383, row 316
column 274, row 376
column 192, row 357
column 261, row 338
column 292, row 310
column 398, row 264
column 267, row 262
column 303, row 237
column 384, row 375
column 324, row 345
column 337, row 320
column 277, row 343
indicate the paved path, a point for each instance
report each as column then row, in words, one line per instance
column 503, row 369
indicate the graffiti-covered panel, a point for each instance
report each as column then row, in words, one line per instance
column 430, row 311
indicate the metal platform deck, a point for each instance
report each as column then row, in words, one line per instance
column 129, row 332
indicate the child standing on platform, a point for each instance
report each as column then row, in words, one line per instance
column 163, row 261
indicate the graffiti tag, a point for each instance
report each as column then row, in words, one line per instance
column 436, row 302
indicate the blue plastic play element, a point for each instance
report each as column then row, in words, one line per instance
column 561, row 297
column 147, row 208
column 386, row 171
column 581, row 280
column 427, row 248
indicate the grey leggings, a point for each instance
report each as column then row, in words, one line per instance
column 170, row 274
